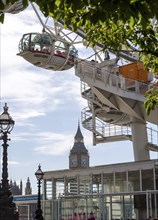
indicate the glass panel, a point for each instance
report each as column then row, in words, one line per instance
column 24, row 43
column 108, row 183
column 73, row 52
column 48, row 189
column 60, row 187
column 46, row 39
column 61, row 48
column 129, row 209
column 85, row 185
column 36, row 42
column 122, row 207
column 101, row 207
column 24, row 211
column 95, row 207
column 72, row 185
column 47, row 210
column 116, row 207
column 92, row 206
column 96, row 183
column 106, row 208
column 147, row 180
column 133, row 181
column 46, row 43
column 69, row 208
column 82, row 208
column 36, row 38
column 140, row 201
column 120, row 182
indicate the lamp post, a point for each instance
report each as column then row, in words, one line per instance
column 7, row 207
column 39, row 175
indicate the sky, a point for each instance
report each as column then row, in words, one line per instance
column 46, row 106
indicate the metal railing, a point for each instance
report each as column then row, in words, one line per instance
column 152, row 136
column 112, row 78
column 104, row 130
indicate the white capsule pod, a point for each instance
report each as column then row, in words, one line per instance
column 43, row 50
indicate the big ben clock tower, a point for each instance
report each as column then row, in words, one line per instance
column 79, row 156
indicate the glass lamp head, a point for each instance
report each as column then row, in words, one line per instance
column 39, row 174
column 6, row 121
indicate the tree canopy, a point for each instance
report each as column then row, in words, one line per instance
column 112, row 22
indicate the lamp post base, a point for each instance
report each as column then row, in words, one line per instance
column 7, row 206
column 38, row 215
column 8, row 214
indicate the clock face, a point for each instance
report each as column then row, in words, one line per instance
column 73, row 162
column 84, row 161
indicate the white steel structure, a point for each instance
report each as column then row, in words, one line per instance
column 116, row 99
column 115, row 112
column 116, row 106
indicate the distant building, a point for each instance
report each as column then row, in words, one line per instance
column 28, row 189
column 79, row 156
column 18, row 189
column 114, row 191
column 15, row 188
column 26, row 204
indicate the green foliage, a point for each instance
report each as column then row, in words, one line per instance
column 112, row 22
column 1, row 13
column 152, row 102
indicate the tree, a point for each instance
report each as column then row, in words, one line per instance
column 112, row 22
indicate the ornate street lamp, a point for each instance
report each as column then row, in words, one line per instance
column 39, row 175
column 7, row 207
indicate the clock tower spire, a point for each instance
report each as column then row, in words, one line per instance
column 79, row 156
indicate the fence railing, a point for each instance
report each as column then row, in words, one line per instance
column 112, row 78
column 104, row 129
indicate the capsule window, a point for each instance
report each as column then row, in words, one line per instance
column 24, row 44
column 36, row 42
column 60, row 48
column 46, row 43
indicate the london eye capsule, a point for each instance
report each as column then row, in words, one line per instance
column 45, row 51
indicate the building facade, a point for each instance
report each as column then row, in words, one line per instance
column 26, row 203
column 15, row 188
column 116, row 191
column 26, row 206
column 79, row 156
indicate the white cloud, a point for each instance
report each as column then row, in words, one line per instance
column 44, row 104
column 11, row 162
column 32, row 91
column 53, row 144
column 57, row 144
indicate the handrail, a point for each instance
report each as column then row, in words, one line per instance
column 104, row 129
column 152, row 136
column 112, row 78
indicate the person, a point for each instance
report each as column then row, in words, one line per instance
column 91, row 216
column 75, row 216
column 84, row 216
column 106, row 55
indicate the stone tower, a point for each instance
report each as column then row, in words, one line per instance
column 79, row 156
column 28, row 189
